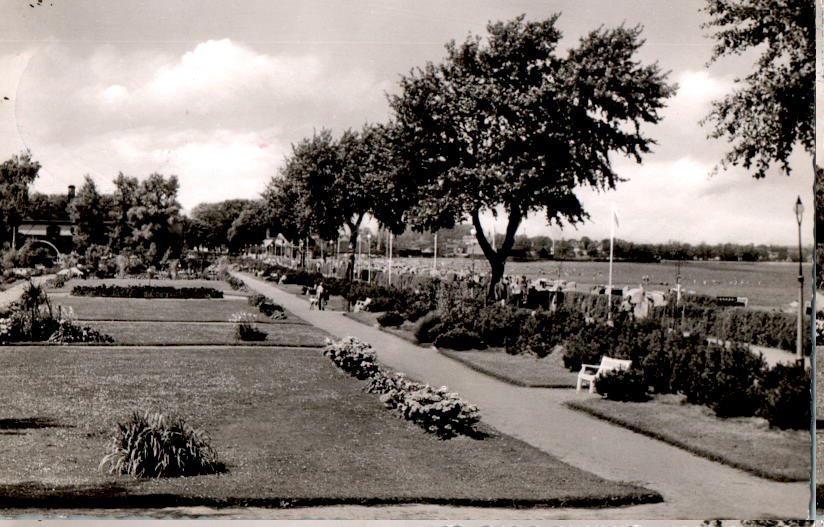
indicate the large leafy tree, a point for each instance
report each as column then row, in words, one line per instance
column 87, row 213
column 326, row 185
column 250, row 225
column 123, row 199
column 16, row 174
column 510, row 124
column 215, row 219
column 773, row 108
column 155, row 218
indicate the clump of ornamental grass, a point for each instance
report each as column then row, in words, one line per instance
column 152, row 445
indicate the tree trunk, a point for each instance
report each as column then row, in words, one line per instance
column 354, row 233
column 497, row 259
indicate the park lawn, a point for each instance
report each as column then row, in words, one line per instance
column 290, row 427
column 170, row 310
column 220, row 285
column 206, row 333
column 744, row 443
column 521, row 370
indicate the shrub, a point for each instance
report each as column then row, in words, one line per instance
column 725, row 379
column 245, row 328
column 270, row 309
column 353, row 356
column 417, row 309
column 383, row 303
column 459, row 339
column 428, row 328
column 67, row 332
column 436, row 410
column 146, row 291
column 390, row 318
column 256, row 300
column 235, row 283
column 785, row 397
column 622, row 385
column 153, row 445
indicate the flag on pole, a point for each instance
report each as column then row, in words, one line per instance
column 615, row 216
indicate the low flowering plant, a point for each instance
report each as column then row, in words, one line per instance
column 353, row 356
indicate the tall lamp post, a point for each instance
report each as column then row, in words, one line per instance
column 799, row 211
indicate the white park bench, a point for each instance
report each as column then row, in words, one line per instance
column 590, row 372
column 360, row 305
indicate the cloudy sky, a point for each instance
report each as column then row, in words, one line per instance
column 217, row 91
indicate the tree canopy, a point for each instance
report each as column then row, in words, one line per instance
column 85, row 211
column 510, row 123
column 327, row 184
column 773, row 108
column 16, row 174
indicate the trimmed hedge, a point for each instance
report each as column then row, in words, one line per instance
column 146, row 291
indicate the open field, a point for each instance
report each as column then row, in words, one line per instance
column 766, row 284
column 288, row 425
column 745, row 443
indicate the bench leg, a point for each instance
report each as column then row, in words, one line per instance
column 578, row 386
column 591, row 386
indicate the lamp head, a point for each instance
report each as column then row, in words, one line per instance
column 799, row 209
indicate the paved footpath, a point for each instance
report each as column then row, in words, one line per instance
column 13, row 293
column 693, row 487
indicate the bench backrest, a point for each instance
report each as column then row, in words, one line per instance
column 609, row 364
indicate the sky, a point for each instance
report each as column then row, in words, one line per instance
column 216, row 92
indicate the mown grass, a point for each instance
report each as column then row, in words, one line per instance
column 290, row 427
column 745, row 443
column 171, row 310
column 520, row 370
column 199, row 333
column 220, row 285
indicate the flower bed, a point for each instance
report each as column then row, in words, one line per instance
column 146, row 291
column 436, row 410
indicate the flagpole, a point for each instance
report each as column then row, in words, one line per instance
column 435, row 255
column 611, row 245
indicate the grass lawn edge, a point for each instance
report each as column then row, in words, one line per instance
column 116, row 497
column 455, row 355
column 680, row 444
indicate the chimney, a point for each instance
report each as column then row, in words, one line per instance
column 71, row 192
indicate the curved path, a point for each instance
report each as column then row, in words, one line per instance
column 693, row 487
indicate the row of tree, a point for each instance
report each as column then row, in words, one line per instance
column 510, row 125
column 507, row 124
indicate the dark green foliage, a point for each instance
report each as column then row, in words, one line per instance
column 623, row 385
column 249, row 333
column 725, row 379
column 256, row 299
column 459, row 339
column 146, row 291
column 235, row 283
column 383, row 303
column 786, row 396
column 66, row 332
column 428, row 328
column 390, row 318
column 153, row 446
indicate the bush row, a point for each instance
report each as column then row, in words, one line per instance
column 436, row 410
column 729, row 379
column 268, row 307
column 773, row 329
column 146, row 291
